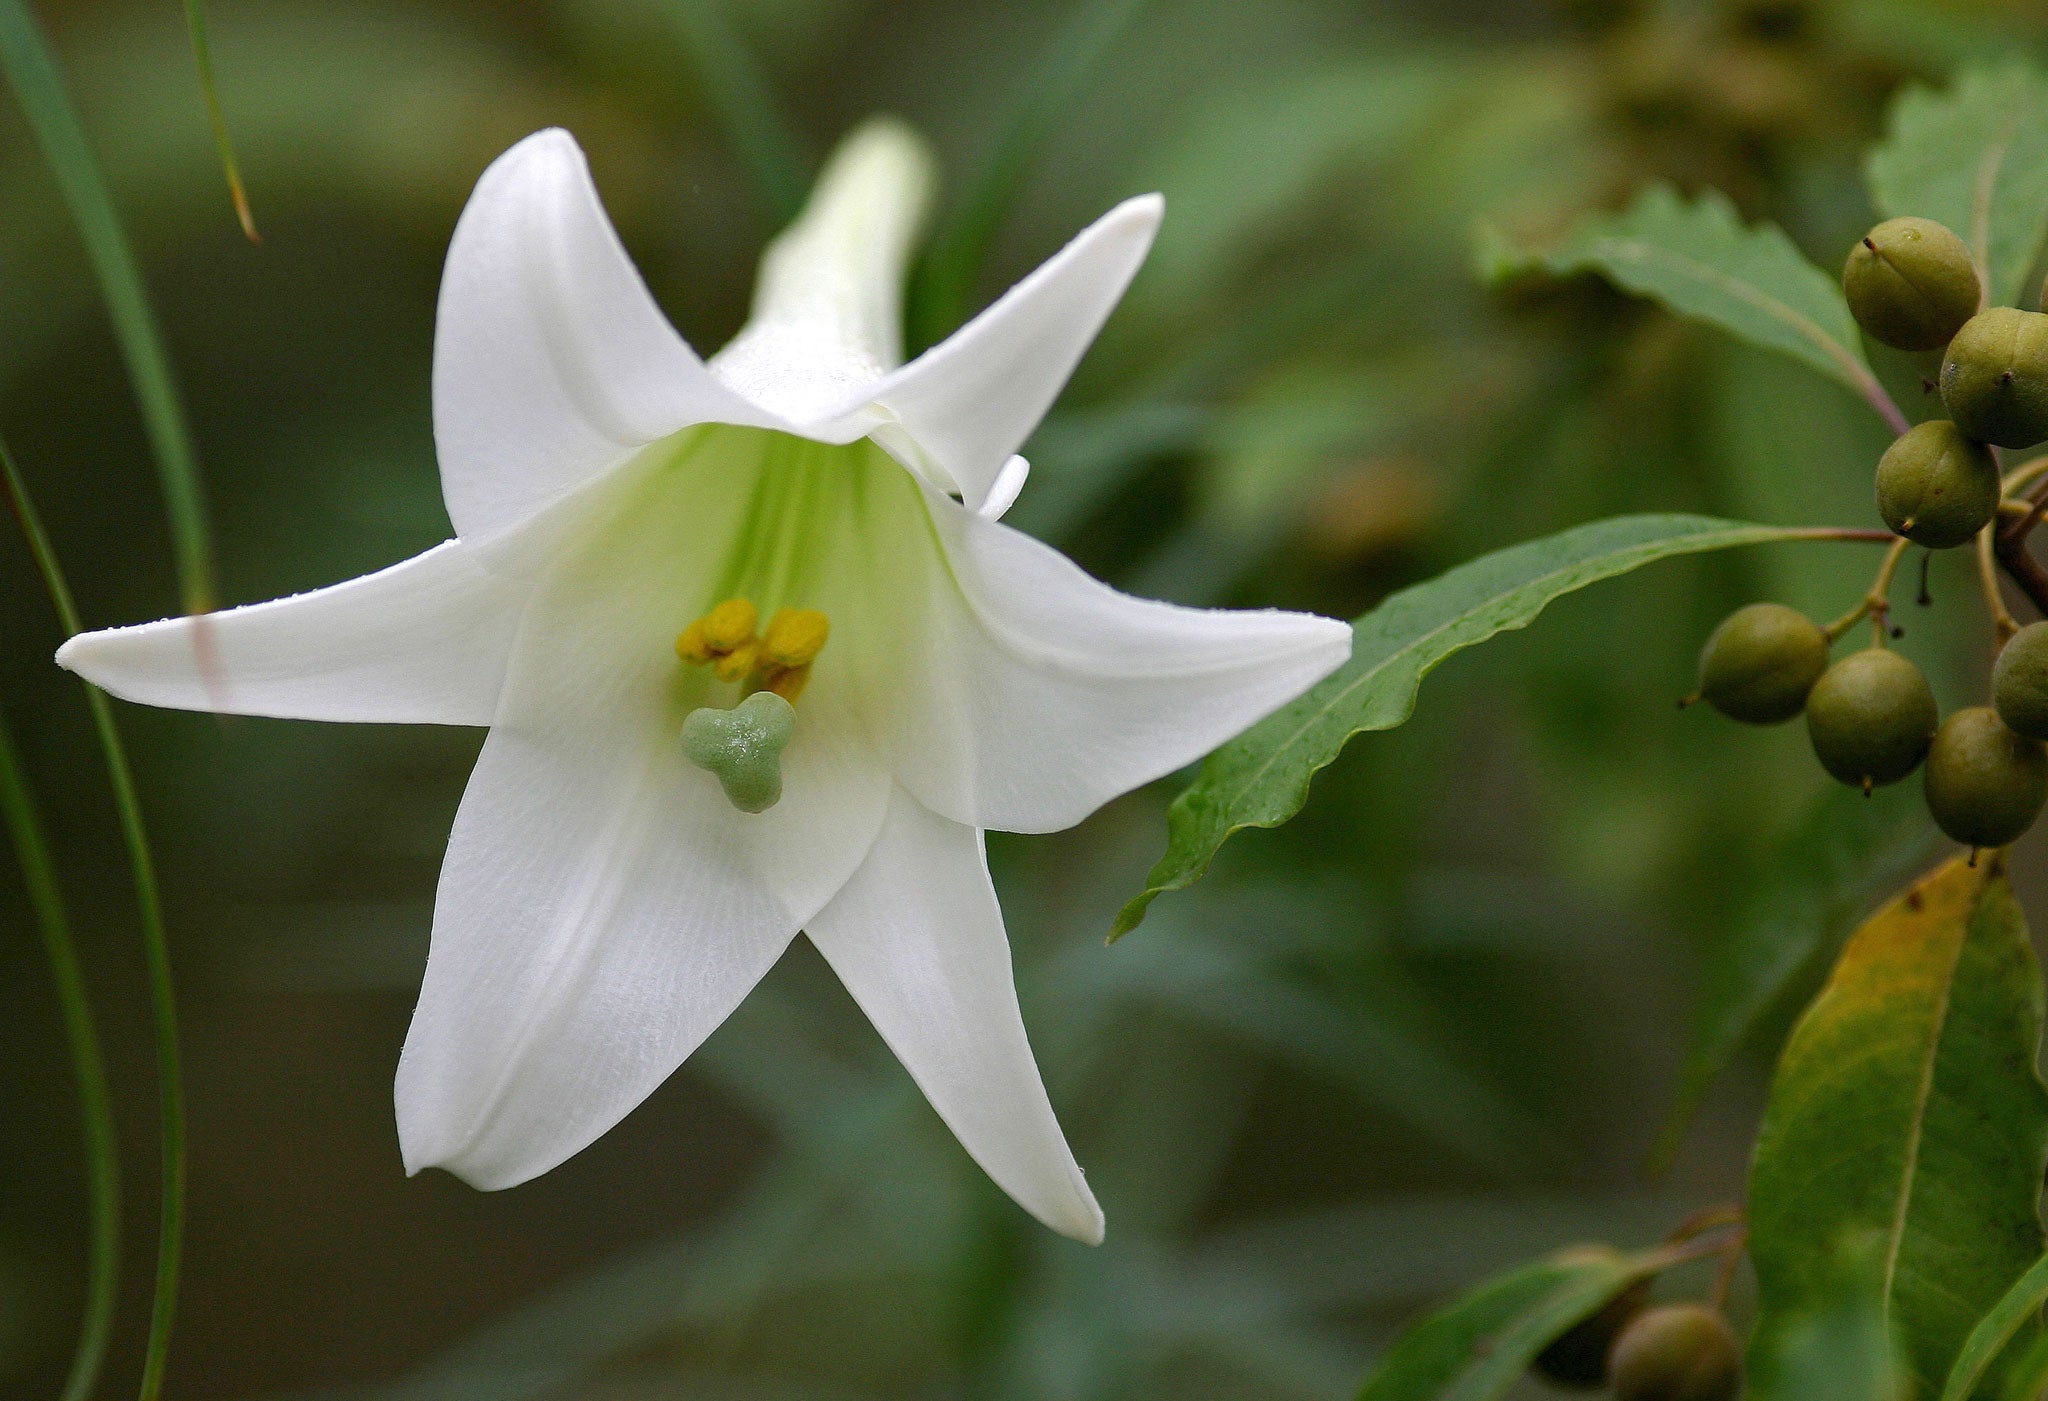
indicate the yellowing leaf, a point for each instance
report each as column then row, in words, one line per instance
column 1906, row 1104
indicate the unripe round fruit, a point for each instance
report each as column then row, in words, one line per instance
column 1935, row 486
column 1871, row 717
column 1578, row 1356
column 1985, row 784
column 2019, row 682
column 1994, row 379
column 1680, row 1352
column 1760, row 662
column 1910, row 284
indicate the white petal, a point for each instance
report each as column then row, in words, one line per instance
column 1032, row 694
column 423, row 642
column 552, row 364
column 917, row 937
column 969, row 403
column 828, row 310
column 602, row 906
column 1003, row 495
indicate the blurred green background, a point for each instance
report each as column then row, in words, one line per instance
column 1429, row 1028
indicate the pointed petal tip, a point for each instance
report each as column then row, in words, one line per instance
column 1147, row 209
column 67, row 655
column 1083, row 1221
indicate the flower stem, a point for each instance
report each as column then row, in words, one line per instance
column 2002, row 623
column 155, row 947
column 88, row 1068
column 1876, row 604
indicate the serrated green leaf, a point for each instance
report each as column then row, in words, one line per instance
column 1976, row 159
column 1907, row 1103
column 1477, row 1347
column 1698, row 259
column 1261, row 778
column 2020, row 1306
column 1847, row 851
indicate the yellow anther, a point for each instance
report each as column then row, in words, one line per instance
column 794, row 638
column 736, row 664
column 691, row 646
column 729, row 625
column 787, row 682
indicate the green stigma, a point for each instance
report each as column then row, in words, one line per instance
column 743, row 747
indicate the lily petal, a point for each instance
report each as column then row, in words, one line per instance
column 970, row 402
column 917, row 937
column 1040, row 693
column 827, row 320
column 423, row 642
column 603, row 907
column 552, row 363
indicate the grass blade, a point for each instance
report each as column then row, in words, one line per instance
column 195, row 21
column 96, row 1113
column 946, row 277
column 38, row 85
column 745, row 106
column 156, row 949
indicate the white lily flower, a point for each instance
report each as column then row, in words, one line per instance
column 606, row 900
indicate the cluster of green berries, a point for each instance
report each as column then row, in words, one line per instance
column 1871, row 716
column 1673, row 1352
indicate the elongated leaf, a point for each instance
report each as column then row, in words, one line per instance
column 1477, row 1347
column 209, row 91
column 2020, row 1306
column 1907, row 1103
column 1975, row 158
column 1841, row 1349
column 944, row 277
column 2026, row 1375
column 1260, row 779
column 1847, row 851
column 39, row 86
column 740, row 97
column 1697, row 258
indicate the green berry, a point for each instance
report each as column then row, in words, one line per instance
column 1910, row 284
column 1871, row 717
column 1760, row 662
column 1679, row 1352
column 1995, row 377
column 2019, row 682
column 1936, row 487
column 1985, row 784
column 1578, row 1356
column 743, row 747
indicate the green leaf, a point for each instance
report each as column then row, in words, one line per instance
column 1906, row 1103
column 944, row 278
column 1478, row 1346
column 1840, row 1349
column 1261, row 778
column 39, row 86
column 1976, row 159
column 209, row 91
column 741, row 100
column 1698, row 259
column 2020, row 1306
column 1846, row 852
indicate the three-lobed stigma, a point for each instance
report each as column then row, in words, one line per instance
column 743, row 746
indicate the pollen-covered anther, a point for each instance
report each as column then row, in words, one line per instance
column 738, row 664
column 719, row 634
column 794, row 637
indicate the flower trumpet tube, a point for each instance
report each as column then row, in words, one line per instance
column 756, row 655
